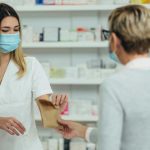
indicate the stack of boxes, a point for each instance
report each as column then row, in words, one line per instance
column 56, row 34
column 51, row 143
column 65, row 2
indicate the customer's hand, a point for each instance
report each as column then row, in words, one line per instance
column 72, row 129
column 11, row 125
column 59, row 100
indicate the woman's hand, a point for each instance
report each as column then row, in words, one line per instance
column 11, row 125
column 72, row 129
column 59, row 100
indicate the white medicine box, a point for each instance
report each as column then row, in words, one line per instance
column 50, row 34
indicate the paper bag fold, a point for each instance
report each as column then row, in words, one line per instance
column 49, row 113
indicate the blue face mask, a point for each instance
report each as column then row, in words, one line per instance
column 9, row 42
column 114, row 57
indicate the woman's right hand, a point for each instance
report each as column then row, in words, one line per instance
column 11, row 125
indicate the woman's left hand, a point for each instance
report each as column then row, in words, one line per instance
column 59, row 100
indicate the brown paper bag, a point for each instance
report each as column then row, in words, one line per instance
column 49, row 114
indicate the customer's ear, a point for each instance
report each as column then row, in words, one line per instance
column 114, row 42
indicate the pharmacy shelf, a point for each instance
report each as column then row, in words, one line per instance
column 75, row 81
column 84, row 118
column 102, row 44
column 81, row 118
column 51, row 8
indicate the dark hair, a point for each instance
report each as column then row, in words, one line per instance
column 6, row 10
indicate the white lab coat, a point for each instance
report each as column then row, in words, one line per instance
column 16, row 100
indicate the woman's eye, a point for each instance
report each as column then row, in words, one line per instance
column 16, row 30
column 5, row 30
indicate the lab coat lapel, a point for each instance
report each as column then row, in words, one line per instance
column 10, row 72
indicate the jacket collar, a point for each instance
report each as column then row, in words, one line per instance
column 139, row 63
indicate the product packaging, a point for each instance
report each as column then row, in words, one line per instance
column 75, row 145
column 52, row 144
column 50, row 34
column 49, row 2
column 49, row 113
column 121, row 1
column 64, row 35
column 27, row 34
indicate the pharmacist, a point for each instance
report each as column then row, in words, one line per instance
column 20, row 78
column 125, row 97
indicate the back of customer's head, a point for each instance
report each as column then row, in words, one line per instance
column 131, row 24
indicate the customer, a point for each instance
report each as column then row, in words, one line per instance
column 124, row 122
column 21, row 78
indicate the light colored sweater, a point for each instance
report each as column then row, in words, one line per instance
column 125, row 109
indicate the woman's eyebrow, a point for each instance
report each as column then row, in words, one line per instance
column 7, row 27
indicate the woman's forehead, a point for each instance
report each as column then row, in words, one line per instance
column 9, row 21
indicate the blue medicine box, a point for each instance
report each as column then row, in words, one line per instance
column 39, row 1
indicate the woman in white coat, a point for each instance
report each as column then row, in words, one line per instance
column 124, row 116
column 21, row 80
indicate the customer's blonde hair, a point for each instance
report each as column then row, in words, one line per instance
column 131, row 24
column 17, row 55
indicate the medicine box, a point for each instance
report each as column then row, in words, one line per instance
column 50, row 34
column 49, row 2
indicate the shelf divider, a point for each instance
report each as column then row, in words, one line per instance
column 102, row 44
